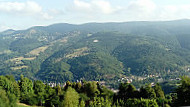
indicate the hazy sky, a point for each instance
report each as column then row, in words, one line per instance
column 21, row 14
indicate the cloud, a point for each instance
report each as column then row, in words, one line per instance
column 28, row 8
column 82, row 5
column 137, row 10
column 56, row 12
column 149, row 10
column 27, row 13
column 133, row 10
column 141, row 6
column 94, row 6
column 104, row 6
column 175, row 11
column 104, row 10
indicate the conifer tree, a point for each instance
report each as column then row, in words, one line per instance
column 71, row 98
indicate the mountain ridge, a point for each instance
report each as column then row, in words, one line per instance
column 127, row 22
column 98, row 51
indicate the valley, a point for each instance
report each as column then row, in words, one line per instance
column 137, row 52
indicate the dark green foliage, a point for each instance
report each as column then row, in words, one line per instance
column 100, row 102
column 90, row 94
column 106, row 93
column 154, row 51
column 159, row 92
column 26, row 85
column 12, row 99
column 56, row 72
column 10, row 85
column 91, row 89
column 169, row 86
column 129, row 96
column 52, row 100
column 71, row 98
column 9, row 91
column 48, row 91
column 25, row 45
column 39, row 90
column 164, row 102
column 184, row 40
column 30, row 99
column 78, row 87
column 183, row 92
column 146, row 55
column 4, row 101
column 127, row 91
column 141, row 103
column 147, row 92
column 82, row 103
column 147, row 48
column 27, row 93
column 4, row 44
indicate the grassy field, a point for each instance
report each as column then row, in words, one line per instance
column 78, row 52
column 19, row 67
column 5, row 52
column 38, row 50
column 21, row 58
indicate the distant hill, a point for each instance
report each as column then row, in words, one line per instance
column 110, row 52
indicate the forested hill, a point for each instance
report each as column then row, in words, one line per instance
column 138, row 52
column 88, row 94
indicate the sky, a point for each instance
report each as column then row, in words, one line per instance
column 22, row 14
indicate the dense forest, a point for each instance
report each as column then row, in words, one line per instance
column 134, row 52
column 89, row 94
